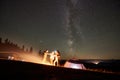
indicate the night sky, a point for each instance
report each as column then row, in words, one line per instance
column 85, row 29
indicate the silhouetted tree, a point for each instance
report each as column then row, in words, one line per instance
column 6, row 41
column 23, row 47
column 31, row 49
column 0, row 40
column 9, row 42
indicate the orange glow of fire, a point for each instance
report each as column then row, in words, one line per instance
column 34, row 58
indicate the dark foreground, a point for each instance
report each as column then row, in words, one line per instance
column 30, row 71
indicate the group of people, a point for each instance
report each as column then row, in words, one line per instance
column 54, row 57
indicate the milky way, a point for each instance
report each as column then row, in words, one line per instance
column 72, row 28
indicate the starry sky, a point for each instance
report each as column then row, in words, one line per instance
column 85, row 29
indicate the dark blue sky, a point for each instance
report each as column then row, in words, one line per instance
column 89, row 30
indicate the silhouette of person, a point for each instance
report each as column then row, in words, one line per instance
column 45, row 55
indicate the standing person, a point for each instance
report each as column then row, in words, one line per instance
column 52, row 57
column 45, row 56
column 56, row 58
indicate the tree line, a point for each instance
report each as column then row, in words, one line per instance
column 7, row 45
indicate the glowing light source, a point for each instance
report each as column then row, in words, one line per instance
column 74, row 65
column 96, row 62
column 10, row 57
